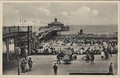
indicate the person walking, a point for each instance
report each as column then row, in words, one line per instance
column 110, row 69
column 58, row 59
column 55, row 68
column 30, row 63
column 92, row 58
column 87, row 57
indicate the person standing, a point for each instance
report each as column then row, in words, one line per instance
column 55, row 68
column 23, row 66
column 25, row 53
column 26, row 65
column 105, row 53
column 109, row 50
column 102, row 55
column 30, row 63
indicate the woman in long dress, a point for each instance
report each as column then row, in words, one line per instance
column 26, row 65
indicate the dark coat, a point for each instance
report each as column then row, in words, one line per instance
column 92, row 57
column 110, row 68
column 30, row 63
column 55, row 67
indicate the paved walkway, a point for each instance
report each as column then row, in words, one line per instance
column 42, row 65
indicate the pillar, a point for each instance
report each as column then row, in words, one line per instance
column 7, row 49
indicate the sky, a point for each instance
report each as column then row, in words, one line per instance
column 69, row 13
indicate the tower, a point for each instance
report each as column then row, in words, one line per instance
column 55, row 19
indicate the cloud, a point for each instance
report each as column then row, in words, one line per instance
column 44, row 10
column 45, row 5
column 17, row 11
column 65, row 14
column 81, row 15
column 69, row 13
column 83, row 10
column 86, row 11
column 95, row 12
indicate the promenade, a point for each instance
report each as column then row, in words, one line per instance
column 42, row 65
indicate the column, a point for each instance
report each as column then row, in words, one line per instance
column 7, row 49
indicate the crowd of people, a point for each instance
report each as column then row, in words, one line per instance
column 54, row 47
column 26, row 65
column 26, row 62
column 81, row 42
column 103, row 47
column 88, row 48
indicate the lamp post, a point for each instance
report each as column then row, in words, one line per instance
column 18, row 58
column 17, row 50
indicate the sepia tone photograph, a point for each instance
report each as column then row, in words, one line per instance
column 60, row 38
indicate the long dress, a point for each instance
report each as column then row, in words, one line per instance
column 26, row 65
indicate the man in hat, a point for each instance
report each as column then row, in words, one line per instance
column 55, row 67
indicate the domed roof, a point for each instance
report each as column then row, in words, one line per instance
column 55, row 21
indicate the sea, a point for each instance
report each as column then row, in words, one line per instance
column 92, row 29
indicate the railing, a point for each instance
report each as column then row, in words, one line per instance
column 14, row 29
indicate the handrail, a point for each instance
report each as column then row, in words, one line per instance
column 13, row 29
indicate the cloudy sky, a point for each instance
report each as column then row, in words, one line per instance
column 41, row 14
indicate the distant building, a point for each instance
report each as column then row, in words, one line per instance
column 52, row 29
column 58, row 25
